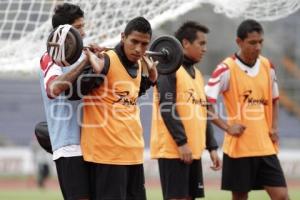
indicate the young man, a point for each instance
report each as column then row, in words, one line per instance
column 248, row 84
column 61, row 113
column 179, row 131
column 112, row 139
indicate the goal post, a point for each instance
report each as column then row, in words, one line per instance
column 26, row 24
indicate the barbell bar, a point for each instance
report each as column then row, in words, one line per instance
column 165, row 49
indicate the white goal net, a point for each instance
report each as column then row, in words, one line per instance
column 25, row 24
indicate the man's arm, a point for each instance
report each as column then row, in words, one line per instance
column 166, row 85
column 275, row 107
column 64, row 81
column 212, row 146
column 89, row 79
column 274, row 131
column 211, row 143
column 145, row 85
column 234, row 129
column 149, row 74
column 150, row 65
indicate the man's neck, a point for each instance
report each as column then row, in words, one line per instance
column 248, row 62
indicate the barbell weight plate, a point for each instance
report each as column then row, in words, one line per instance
column 42, row 136
column 171, row 62
column 73, row 46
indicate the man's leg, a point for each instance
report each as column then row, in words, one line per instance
column 174, row 177
column 277, row 193
column 73, row 175
column 136, row 183
column 238, row 176
column 272, row 178
column 239, row 195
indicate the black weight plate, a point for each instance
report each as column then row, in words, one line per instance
column 42, row 136
column 73, row 46
column 171, row 62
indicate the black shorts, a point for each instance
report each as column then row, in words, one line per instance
column 73, row 176
column 179, row 180
column 251, row 173
column 117, row 182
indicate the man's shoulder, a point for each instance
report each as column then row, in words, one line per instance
column 45, row 62
column 228, row 61
column 267, row 62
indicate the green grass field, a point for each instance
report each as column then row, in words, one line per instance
column 153, row 194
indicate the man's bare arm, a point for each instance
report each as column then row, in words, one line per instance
column 64, row 81
column 235, row 129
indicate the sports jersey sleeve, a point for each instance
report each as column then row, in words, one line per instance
column 211, row 143
column 166, row 85
column 146, row 83
column 275, row 89
column 217, row 83
column 89, row 80
column 50, row 71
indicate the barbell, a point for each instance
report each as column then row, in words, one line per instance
column 64, row 45
column 42, row 135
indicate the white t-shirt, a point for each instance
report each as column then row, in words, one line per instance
column 219, row 80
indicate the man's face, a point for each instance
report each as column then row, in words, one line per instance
column 79, row 25
column 251, row 46
column 195, row 50
column 135, row 45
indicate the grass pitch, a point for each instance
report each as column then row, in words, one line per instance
column 152, row 194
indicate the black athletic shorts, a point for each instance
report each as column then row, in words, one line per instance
column 117, row 182
column 251, row 173
column 73, row 176
column 179, row 180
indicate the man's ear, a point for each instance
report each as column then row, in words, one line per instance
column 185, row 43
column 122, row 37
column 238, row 41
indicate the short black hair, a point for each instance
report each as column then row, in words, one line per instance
column 66, row 13
column 139, row 24
column 248, row 26
column 188, row 31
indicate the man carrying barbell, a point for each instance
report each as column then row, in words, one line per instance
column 112, row 140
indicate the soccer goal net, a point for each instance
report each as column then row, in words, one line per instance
column 25, row 24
